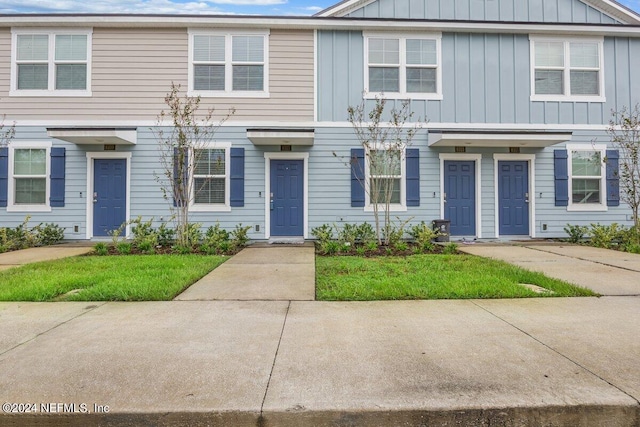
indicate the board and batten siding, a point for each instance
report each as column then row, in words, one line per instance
column 486, row 10
column 486, row 79
column 132, row 70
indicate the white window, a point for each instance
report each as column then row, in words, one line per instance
column 211, row 173
column 403, row 66
column 28, row 189
column 385, row 178
column 567, row 70
column 54, row 63
column 228, row 64
column 587, row 177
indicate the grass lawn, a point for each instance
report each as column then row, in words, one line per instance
column 108, row 278
column 429, row 277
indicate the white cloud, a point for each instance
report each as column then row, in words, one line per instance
column 109, row 6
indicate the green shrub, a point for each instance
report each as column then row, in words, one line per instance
column 371, row 246
column 123, row 248
column 423, row 235
column 330, row 248
column 49, row 234
column 182, row 250
column 576, row 232
column 147, row 247
column 365, row 233
column 101, row 249
column 451, row 249
column 401, row 246
column 166, row 235
column 143, row 233
column 361, row 251
column 394, row 233
column 215, row 238
column 240, row 236
column 323, row 234
column 348, row 234
column 605, row 236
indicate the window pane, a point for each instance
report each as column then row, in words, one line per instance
column 549, row 82
column 549, row 54
column 33, row 76
column 30, row 161
column 33, row 48
column 209, row 190
column 379, row 188
column 421, row 52
column 384, row 51
column 248, row 48
column 71, row 76
column 384, row 79
column 209, row 162
column 248, row 77
column 208, row 48
column 584, row 55
column 71, row 48
column 384, row 162
column 30, row 191
column 586, row 163
column 208, row 77
column 584, row 83
column 421, row 80
column 585, row 191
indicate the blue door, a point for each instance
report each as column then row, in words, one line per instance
column 287, row 197
column 460, row 197
column 109, row 198
column 513, row 196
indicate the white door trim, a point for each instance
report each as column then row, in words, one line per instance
column 91, row 156
column 531, row 159
column 267, row 188
column 477, row 158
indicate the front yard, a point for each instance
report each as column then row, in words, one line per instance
column 112, row 278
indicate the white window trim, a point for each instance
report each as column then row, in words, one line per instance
column 228, row 92
column 51, row 91
column 588, row 207
column 393, row 207
column 11, row 205
column 567, row 96
column 403, row 65
column 214, row 207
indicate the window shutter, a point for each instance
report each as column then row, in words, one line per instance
column 178, row 198
column 613, row 178
column 4, row 175
column 237, row 177
column 56, row 198
column 413, row 176
column 561, row 177
column 357, row 177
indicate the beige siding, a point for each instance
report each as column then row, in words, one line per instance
column 133, row 69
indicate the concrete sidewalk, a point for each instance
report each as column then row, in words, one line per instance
column 604, row 271
column 46, row 253
column 551, row 362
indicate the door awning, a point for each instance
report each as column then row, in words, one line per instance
column 95, row 136
column 456, row 138
column 281, row 136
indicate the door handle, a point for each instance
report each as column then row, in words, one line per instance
column 95, row 197
column 526, row 197
column 271, row 204
column 444, row 197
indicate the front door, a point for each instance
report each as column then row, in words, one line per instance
column 109, row 195
column 460, row 196
column 287, row 197
column 513, row 194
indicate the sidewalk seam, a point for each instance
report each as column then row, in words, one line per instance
column 583, row 259
column 273, row 365
column 556, row 351
column 53, row 327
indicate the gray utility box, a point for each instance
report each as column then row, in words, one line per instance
column 443, row 226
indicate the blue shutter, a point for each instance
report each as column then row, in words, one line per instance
column 613, row 178
column 56, row 193
column 4, row 176
column 413, row 176
column 561, row 177
column 237, row 177
column 176, row 181
column 357, row 177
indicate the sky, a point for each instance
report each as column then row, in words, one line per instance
column 244, row 7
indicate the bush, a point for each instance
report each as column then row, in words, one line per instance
column 143, row 233
column 215, row 240
column 576, row 232
column 423, row 235
column 166, row 235
column 101, row 249
column 451, row 249
column 348, row 235
column 240, row 236
column 323, row 234
column 605, row 236
column 49, row 234
column 23, row 237
column 123, row 248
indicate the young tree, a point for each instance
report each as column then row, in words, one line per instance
column 6, row 133
column 181, row 148
column 384, row 145
column 624, row 130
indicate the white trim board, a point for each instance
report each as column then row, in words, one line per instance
column 531, row 159
column 276, row 155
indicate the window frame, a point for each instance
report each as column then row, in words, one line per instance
column 12, row 206
column 228, row 91
column 393, row 207
column 51, row 62
column 567, row 96
column 403, row 66
column 588, row 207
column 212, row 207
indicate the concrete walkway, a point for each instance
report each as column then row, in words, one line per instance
column 260, row 272
column 47, row 253
column 604, row 271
